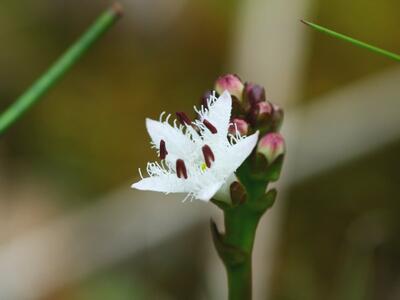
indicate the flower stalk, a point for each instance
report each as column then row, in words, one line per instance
column 250, row 198
column 34, row 93
column 235, row 245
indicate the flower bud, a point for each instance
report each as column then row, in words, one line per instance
column 277, row 118
column 238, row 110
column 261, row 112
column 238, row 193
column 240, row 126
column 230, row 83
column 254, row 93
column 271, row 146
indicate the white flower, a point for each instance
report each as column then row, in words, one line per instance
column 200, row 157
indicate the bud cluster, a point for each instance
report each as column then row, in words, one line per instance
column 251, row 112
column 250, row 197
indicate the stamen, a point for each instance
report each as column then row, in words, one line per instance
column 206, row 97
column 181, row 169
column 210, row 126
column 183, row 118
column 161, row 116
column 163, row 150
column 140, row 173
column 208, row 155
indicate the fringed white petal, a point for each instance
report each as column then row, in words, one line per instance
column 208, row 191
column 178, row 144
column 224, row 193
column 165, row 184
column 219, row 113
column 238, row 152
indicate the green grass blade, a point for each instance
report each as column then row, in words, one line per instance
column 35, row 92
column 358, row 43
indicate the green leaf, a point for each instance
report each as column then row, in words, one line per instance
column 222, row 205
column 265, row 201
column 230, row 255
column 274, row 170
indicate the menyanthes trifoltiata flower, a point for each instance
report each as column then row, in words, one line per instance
column 198, row 157
column 212, row 158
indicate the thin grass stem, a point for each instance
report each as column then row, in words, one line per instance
column 356, row 42
column 36, row 91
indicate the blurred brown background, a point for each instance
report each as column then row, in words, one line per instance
column 71, row 228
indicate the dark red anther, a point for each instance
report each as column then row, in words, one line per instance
column 181, row 169
column 210, row 126
column 204, row 99
column 208, row 155
column 183, row 118
column 163, row 150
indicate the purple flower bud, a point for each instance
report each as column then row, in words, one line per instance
column 264, row 108
column 230, row 83
column 271, row 146
column 238, row 193
column 254, row 93
column 277, row 118
column 240, row 125
column 261, row 112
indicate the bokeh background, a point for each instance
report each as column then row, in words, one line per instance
column 71, row 228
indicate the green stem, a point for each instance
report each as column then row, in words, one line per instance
column 358, row 43
column 34, row 93
column 250, row 200
column 240, row 226
column 235, row 246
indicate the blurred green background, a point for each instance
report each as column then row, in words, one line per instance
column 339, row 235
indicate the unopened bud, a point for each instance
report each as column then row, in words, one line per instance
column 261, row 112
column 238, row 110
column 230, row 83
column 238, row 193
column 277, row 118
column 239, row 126
column 254, row 93
column 271, row 146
